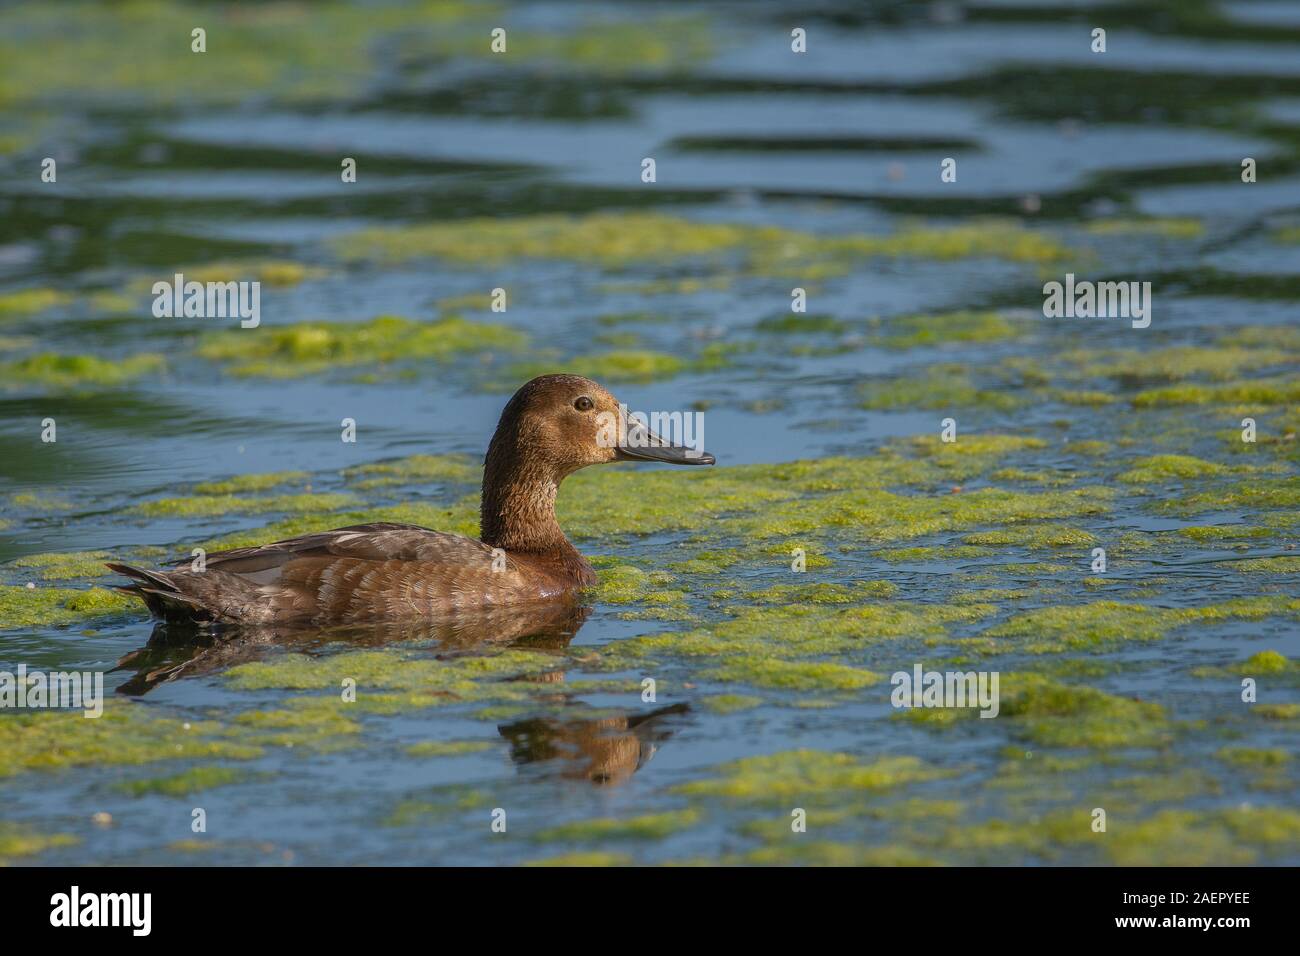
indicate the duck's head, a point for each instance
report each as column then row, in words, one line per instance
column 557, row 424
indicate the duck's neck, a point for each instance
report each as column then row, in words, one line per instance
column 518, row 510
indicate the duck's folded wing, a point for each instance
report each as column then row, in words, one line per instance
column 378, row 541
column 368, row 572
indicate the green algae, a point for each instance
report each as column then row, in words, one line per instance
column 883, row 517
column 1044, row 478
column 141, row 51
column 1265, row 662
column 652, row 826
column 211, row 505
column 1222, row 532
column 667, row 285
column 54, row 566
column 989, row 839
column 1106, row 624
column 823, row 592
column 1263, row 392
column 793, row 675
column 1091, row 448
column 317, row 722
column 185, row 783
column 450, row 801
column 391, row 681
column 1160, row 366
column 1186, row 838
column 1033, row 536
column 1170, row 227
column 938, row 386
column 1277, row 711
column 30, row 302
column 62, row 372
column 992, row 595
column 618, row 240
column 639, row 365
column 1171, row 837
column 1157, row 468
column 16, row 842
column 661, row 43
column 625, row 584
column 415, row 469
column 716, row 561
column 948, row 553
column 1164, row 784
column 731, row 703
column 1053, row 714
column 1253, row 757
column 122, row 735
column 916, row 331
column 309, row 348
column 1281, row 520
column 1263, row 825
column 751, row 645
column 1286, row 564
column 808, row 775
column 1231, row 495
column 1028, row 569
column 242, row 483
column 801, row 324
column 271, row 272
column 55, row 607
column 31, row 501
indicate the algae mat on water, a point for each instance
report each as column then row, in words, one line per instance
column 1103, row 535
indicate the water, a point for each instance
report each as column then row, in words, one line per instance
column 1070, row 146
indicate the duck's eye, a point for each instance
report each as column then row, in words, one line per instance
column 584, row 404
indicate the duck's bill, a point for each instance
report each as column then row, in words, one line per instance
column 670, row 454
column 645, row 445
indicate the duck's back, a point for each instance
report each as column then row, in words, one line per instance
column 362, row 573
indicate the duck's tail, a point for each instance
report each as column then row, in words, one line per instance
column 179, row 597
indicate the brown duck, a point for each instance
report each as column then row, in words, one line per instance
column 550, row 428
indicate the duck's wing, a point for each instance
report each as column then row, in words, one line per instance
column 377, row 541
column 368, row 572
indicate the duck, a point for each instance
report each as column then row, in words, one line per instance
column 384, row 571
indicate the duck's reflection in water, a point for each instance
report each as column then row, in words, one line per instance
column 173, row 652
column 604, row 750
